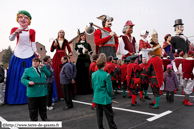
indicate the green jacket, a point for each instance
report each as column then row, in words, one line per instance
column 102, row 86
column 30, row 74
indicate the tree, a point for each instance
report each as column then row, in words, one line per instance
column 7, row 56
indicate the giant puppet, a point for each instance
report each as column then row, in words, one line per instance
column 21, row 59
column 105, row 39
column 179, row 41
column 127, row 43
column 154, row 43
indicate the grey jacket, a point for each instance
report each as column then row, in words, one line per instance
column 170, row 81
column 74, row 70
column 66, row 74
column 51, row 70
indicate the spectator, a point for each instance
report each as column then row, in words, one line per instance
column 1, row 86
column 34, row 78
column 49, row 81
column 66, row 80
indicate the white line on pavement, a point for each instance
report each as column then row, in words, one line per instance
column 159, row 116
column 122, row 109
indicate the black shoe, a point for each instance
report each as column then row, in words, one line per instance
column 93, row 108
column 45, row 119
column 153, row 107
column 73, row 98
column 147, row 97
column 141, row 99
column 65, row 108
column 124, row 96
column 129, row 96
column 151, row 104
column 134, row 104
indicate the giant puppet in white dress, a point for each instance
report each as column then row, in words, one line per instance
column 21, row 59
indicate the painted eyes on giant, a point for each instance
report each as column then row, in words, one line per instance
column 21, row 17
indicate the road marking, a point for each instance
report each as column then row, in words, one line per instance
column 159, row 116
column 122, row 109
column 3, row 120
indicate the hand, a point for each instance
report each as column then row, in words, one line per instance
column 31, row 83
column 112, row 33
column 70, row 54
column 117, row 81
column 41, row 65
column 18, row 31
column 86, row 50
column 37, row 54
column 55, row 44
column 72, row 81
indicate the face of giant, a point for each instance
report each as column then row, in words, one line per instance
column 145, row 36
column 144, row 60
column 61, row 33
column 179, row 29
column 129, row 30
column 108, row 23
column 23, row 20
column 155, row 38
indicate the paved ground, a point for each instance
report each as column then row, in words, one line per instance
column 81, row 116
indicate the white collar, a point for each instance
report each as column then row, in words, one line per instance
column 189, row 58
column 165, row 58
column 82, row 41
column 145, row 40
column 22, row 28
column 179, row 58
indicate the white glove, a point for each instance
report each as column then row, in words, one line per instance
column 112, row 33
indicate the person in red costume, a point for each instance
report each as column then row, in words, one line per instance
column 106, row 43
column 176, row 63
column 127, row 43
column 123, row 69
column 144, row 81
column 60, row 44
column 165, row 61
column 187, row 67
column 155, row 71
column 133, row 78
column 92, row 70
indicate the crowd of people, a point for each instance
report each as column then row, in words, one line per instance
column 142, row 66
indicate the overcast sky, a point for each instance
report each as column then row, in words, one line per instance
column 50, row 16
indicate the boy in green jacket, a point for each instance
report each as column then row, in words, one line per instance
column 103, row 93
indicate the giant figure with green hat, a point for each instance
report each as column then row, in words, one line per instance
column 24, row 51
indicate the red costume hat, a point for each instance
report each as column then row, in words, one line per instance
column 165, row 55
column 166, row 36
column 129, row 23
column 176, row 55
column 181, row 54
column 190, row 52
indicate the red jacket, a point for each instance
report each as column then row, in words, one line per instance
column 144, row 76
column 187, row 68
column 123, row 72
column 165, row 63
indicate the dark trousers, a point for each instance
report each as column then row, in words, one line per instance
column 144, row 86
column 156, row 91
column 35, row 105
column 109, row 116
column 135, row 90
column 49, row 95
column 115, row 84
column 66, row 89
column 170, row 96
column 72, row 90
column 125, row 84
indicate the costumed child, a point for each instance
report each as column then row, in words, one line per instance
column 133, row 78
column 91, row 71
column 103, row 93
column 21, row 58
column 171, row 83
column 187, row 67
column 124, row 76
column 144, row 81
column 176, row 63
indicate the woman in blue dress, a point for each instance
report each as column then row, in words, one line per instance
column 24, row 52
column 167, row 46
